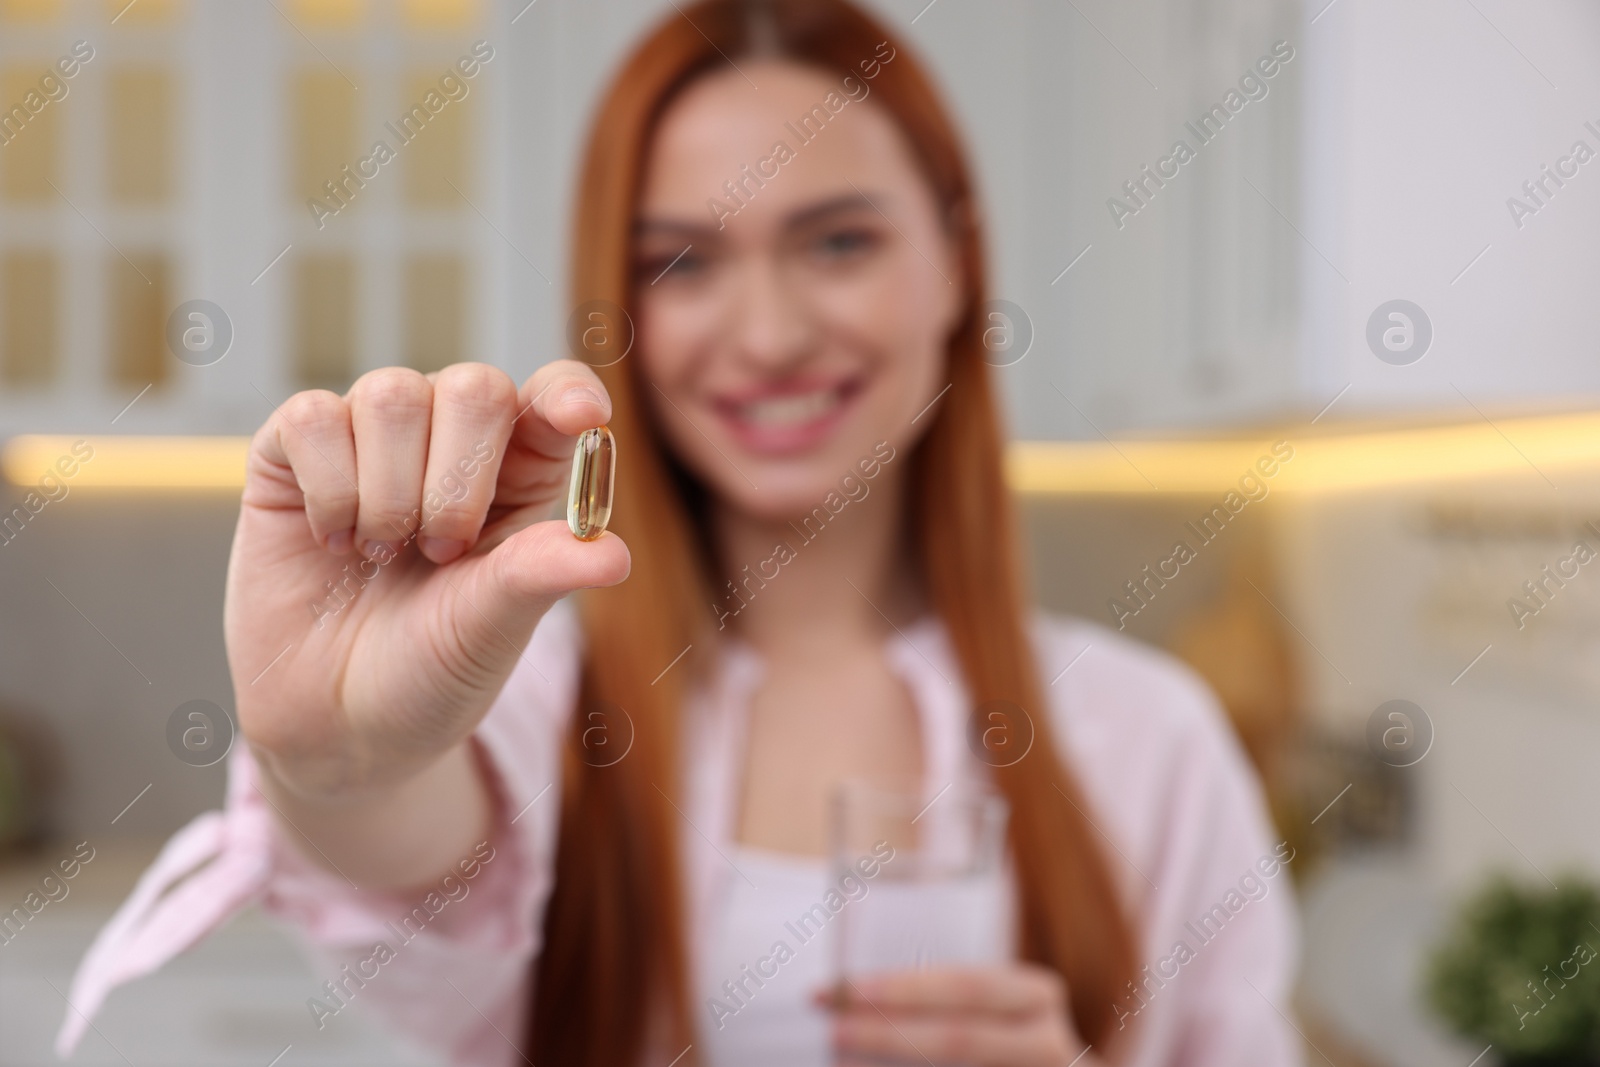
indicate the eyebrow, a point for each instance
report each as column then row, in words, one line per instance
column 797, row 218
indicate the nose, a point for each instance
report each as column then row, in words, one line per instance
column 772, row 324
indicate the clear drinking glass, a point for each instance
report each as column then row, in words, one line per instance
column 939, row 899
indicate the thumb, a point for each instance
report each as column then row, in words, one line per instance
column 523, row 576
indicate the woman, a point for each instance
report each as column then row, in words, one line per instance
column 527, row 833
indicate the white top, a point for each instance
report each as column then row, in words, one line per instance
column 1167, row 787
column 776, row 947
column 773, row 1024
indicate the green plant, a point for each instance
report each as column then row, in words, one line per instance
column 1520, row 968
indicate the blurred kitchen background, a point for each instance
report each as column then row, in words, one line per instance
column 1150, row 355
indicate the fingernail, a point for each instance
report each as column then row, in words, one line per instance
column 581, row 394
column 441, row 549
column 381, row 551
column 339, row 542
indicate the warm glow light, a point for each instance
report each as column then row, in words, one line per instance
column 30, row 10
column 1528, row 447
column 126, row 12
column 128, row 462
column 1532, row 447
column 329, row 14
column 441, row 14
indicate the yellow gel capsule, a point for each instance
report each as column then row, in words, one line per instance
column 594, row 471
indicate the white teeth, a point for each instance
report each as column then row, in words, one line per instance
column 790, row 410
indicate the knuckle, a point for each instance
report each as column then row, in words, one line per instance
column 386, row 517
column 570, row 368
column 449, row 518
column 556, row 378
column 314, row 409
column 332, row 499
column 476, row 387
column 384, row 505
column 392, row 393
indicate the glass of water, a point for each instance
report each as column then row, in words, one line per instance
column 929, row 884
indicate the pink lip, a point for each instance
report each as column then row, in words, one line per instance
column 784, row 440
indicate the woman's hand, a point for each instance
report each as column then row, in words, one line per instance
column 1011, row 1015
column 389, row 567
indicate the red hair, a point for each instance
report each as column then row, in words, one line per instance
column 613, row 972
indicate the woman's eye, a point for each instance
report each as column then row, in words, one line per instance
column 843, row 244
column 684, row 263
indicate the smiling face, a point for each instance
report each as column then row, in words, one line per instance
column 786, row 333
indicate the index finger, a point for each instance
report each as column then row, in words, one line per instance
column 559, row 401
column 1013, row 989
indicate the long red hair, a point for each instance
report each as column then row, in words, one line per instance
column 613, row 972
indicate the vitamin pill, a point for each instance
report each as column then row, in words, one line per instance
column 594, row 471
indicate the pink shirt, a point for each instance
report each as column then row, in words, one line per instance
column 1168, row 788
